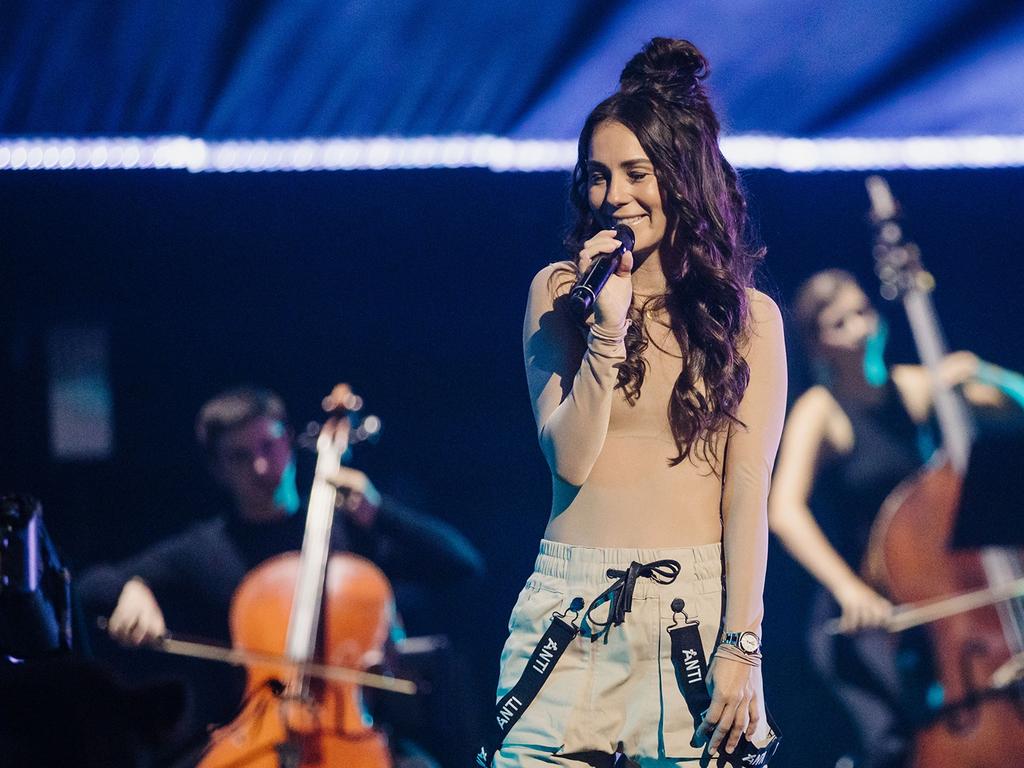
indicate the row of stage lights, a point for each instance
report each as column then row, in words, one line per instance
column 490, row 152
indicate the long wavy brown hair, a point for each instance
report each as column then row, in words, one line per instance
column 706, row 253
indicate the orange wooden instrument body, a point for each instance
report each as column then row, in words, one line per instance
column 911, row 559
column 310, row 723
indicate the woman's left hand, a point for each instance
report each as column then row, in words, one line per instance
column 737, row 704
column 360, row 499
column 959, row 367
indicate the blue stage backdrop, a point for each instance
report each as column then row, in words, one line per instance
column 526, row 69
column 411, row 284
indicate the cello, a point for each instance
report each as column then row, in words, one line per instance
column 969, row 600
column 302, row 620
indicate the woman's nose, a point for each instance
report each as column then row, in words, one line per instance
column 859, row 327
column 618, row 195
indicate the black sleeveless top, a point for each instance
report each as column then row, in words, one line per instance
column 853, row 486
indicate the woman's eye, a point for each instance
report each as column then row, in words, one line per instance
column 638, row 176
column 596, row 178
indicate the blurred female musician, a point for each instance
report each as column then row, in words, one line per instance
column 852, row 438
column 660, row 419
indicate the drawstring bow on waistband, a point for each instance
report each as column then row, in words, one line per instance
column 621, row 590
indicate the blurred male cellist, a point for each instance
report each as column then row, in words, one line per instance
column 248, row 444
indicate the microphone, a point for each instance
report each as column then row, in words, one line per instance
column 584, row 293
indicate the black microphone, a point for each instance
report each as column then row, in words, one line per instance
column 584, row 293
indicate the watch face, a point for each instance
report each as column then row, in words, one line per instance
column 748, row 642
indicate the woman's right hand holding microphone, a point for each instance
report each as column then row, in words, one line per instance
column 614, row 300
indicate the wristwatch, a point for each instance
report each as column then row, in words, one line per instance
column 747, row 642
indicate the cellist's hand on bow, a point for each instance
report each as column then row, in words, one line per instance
column 137, row 619
column 862, row 607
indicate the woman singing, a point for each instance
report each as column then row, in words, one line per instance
column 660, row 419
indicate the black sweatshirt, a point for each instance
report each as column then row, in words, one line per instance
column 195, row 573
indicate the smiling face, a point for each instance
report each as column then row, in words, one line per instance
column 622, row 187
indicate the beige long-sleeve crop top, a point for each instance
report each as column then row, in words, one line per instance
column 611, row 479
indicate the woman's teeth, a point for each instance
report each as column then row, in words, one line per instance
column 631, row 220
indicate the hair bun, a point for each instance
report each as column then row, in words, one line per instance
column 671, row 68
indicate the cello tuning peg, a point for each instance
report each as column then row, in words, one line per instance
column 891, row 232
column 368, row 429
column 307, row 438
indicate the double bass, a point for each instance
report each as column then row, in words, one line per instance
column 969, row 600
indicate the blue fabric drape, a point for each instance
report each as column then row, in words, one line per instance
column 528, row 69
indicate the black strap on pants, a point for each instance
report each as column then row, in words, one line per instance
column 540, row 666
column 691, row 668
column 557, row 638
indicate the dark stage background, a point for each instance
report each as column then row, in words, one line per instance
column 410, row 285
